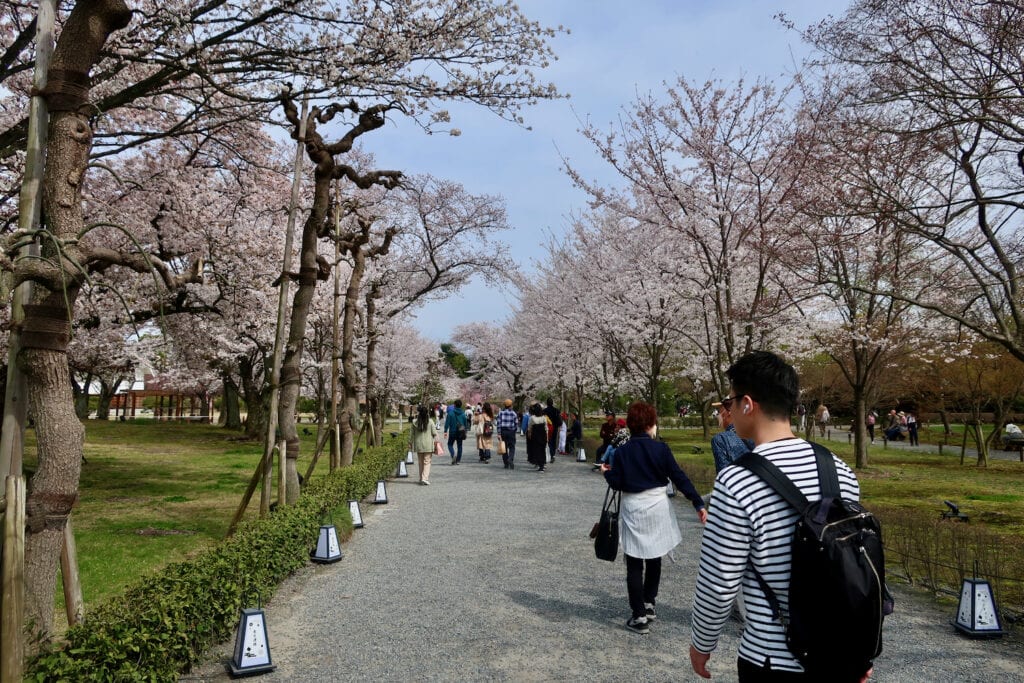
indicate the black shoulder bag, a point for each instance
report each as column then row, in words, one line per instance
column 606, row 532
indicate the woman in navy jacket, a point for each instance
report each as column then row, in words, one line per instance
column 647, row 523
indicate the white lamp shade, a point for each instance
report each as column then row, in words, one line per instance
column 382, row 493
column 977, row 614
column 410, row 458
column 327, row 547
column 357, row 514
column 582, row 455
column 402, row 471
column 252, row 650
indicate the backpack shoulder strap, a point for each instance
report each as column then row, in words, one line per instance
column 828, row 478
column 774, row 477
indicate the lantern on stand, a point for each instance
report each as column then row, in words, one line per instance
column 381, row 498
column 327, row 549
column 977, row 615
column 252, row 650
column 357, row 514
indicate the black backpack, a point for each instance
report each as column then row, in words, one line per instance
column 837, row 593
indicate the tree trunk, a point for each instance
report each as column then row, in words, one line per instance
column 349, row 377
column 107, row 393
column 291, row 363
column 257, row 400
column 82, row 397
column 373, row 402
column 46, row 331
column 230, row 414
column 859, row 427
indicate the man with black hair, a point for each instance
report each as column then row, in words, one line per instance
column 555, row 416
column 750, row 526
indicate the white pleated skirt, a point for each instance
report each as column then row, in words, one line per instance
column 647, row 524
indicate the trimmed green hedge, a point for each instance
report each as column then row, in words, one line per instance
column 162, row 625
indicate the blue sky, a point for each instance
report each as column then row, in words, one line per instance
column 614, row 51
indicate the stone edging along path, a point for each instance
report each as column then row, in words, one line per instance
column 488, row 575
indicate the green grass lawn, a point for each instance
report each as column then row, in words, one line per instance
column 153, row 493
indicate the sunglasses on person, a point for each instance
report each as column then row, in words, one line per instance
column 727, row 402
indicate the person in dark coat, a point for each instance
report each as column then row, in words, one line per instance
column 648, row 530
column 537, row 438
column 575, row 434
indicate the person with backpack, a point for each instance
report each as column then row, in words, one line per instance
column 455, row 427
column 828, row 630
column 484, row 421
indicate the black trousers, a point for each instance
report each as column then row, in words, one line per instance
column 752, row 673
column 641, row 585
column 509, row 437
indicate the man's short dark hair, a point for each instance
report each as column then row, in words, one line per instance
column 767, row 379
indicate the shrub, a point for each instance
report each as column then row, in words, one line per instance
column 161, row 625
column 939, row 553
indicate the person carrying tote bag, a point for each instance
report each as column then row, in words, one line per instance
column 606, row 531
column 647, row 523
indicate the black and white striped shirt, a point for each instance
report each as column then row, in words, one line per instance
column 749, row 523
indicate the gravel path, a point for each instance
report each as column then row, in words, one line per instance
column 488, row 575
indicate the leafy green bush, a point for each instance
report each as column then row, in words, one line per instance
column 939, row 553
column 161, row 625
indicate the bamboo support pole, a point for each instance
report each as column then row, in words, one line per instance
column 282, row 310
column 73, row 602
column 12, row 571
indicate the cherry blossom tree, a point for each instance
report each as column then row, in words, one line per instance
column 945, row 79
column 709, row 171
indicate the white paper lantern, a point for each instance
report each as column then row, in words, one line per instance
column 327, row 547
column 357, row 514
column 977, row 614
column 382, row 493
column 410, row 458
column 252, row 650
column 581, row 456
column 671, row 489
column 401, row 471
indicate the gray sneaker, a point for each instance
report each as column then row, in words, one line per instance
column 650, row 613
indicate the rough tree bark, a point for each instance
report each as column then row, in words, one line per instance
column 311, row 268
column 46, row 329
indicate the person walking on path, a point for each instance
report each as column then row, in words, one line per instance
column 537, row 438
column 554, row 416
column 421, row 440
column 455, row 428
column 912, row 428
column 727, row 446
column 508, row 424
column 484, row 427
column 647, row 523
column 821, row 418
column 751, row 527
